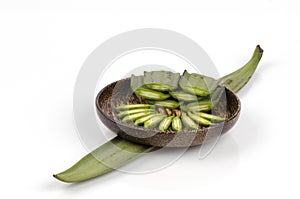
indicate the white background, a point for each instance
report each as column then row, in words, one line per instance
column 44, row 43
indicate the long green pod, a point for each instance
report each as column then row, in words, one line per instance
column 188, row 122
column 183, row 96
column 129, row 112
column 89, row 166
column 210, row 116
column 136, row 116
column 164, row 125
column 200, row 120
column 107, row 157
column 132, row 106
column 154, row 121
column 176, row 123
column 198, row 106
column 150, row 94
column 238, row 79
column 144, row 119
column 167, row 104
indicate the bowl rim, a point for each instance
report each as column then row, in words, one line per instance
column 234, row 115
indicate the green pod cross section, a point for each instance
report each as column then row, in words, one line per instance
column 150, row 94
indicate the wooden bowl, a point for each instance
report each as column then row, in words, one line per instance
column 119, row 92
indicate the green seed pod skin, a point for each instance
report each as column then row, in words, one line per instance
column 135, row 116
column 154, row 121
column 132, row 106
column 159, row 87
column 132, row 111
column 188, row 122
column 144, row 119
column 151, row 95
column 183, row 96
column 164, row 125
column 197, row 107
column 210, row 116
column 176, row 124
column 200, row 120
column 167, row 104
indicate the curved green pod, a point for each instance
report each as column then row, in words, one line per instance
column 164, row 125
column 151, row 94
column 188, row 122
column 107, row 157
column 238, row 79
column 200, row 119
column 176, row 124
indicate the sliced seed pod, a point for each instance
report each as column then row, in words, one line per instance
column 200, row 120
column 133, row 106
column 167, row 104
column 210, row 116
column 164, row 125
column 161, row 80
column 144, row 119
column 183, row 96
column 197, row 84
column 198, row 106
column 176, row 124
column 150, row 94
column 154, row 121
column 135, row 116
column 136, row 82
column 132, row 111
column 188, row 122
column 159, row 87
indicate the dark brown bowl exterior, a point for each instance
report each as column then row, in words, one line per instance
column 106, row 100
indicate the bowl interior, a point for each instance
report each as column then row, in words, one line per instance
column 120, row 93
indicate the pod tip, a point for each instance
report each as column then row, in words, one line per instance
column 56, row 176
column 259, row 48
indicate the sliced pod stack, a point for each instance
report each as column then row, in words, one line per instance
column 173, row 101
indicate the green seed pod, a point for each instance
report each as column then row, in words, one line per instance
column 132, row 111
column 135, row 116
column 188, row 122
column 159, row 87
column 198, row 106
column 183, row 96
column 210, row 116
column 176, row 124
column 132, row 106
column 144, row 119
column 239, row 78
column 167, row 104
column 164, row 125
column 150, row 94
column 200, row 120
column 154, row 121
